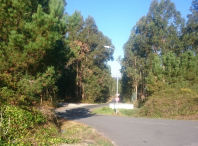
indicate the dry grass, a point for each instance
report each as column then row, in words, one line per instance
column 85, row 135
column 47, row 112
column 74, row 132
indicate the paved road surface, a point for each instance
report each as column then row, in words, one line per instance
column 127, row 131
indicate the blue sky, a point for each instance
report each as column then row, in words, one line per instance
column 116, row 18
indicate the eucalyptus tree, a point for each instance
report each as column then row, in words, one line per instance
column 190, row 31
column 95, row 74
column 86, row 75
column 153, row 35
column 131, row 64
column 161, row 27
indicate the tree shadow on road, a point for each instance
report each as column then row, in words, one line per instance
column 62, row 104
column 73, row 114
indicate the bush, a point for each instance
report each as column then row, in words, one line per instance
column 27, row 126
column 171, row 103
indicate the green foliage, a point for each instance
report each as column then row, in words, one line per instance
column 32, row 32
column 121, row 112
column 161, row 51
column 24, row 126
column 129, row 112
column 104, row 110
column 86, row 77
column 42, row 47
column 44, row 51
column 156, row 33
column 82, row 134
column 171, row 103
column 190, row 31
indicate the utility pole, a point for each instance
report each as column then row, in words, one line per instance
column 117, row 95
column 117, row 98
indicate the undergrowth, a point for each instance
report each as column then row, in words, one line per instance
column 39, row 126
column 172, row 104
column 83, row 134
column 169, row 104
column 121, row 112
column 25, row 126
column 104, row 110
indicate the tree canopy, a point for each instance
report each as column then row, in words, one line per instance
column 46, row 55
column 161, row 51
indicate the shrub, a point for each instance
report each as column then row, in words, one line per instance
column 27, row 126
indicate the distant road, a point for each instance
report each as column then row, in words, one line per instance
column 127, row 131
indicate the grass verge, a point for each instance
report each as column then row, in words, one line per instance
column 180, row 104
column 39, row 126
column 83, row 134
column 121, row 112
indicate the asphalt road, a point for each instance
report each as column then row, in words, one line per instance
column 127, row 131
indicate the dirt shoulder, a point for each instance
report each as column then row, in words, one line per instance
column 81, row 134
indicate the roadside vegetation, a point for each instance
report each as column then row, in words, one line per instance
column 47, row 56
column 30, row 126
column 180, row 104
column 171, row 104
column 83, row 134
column 160, row 64
column 40, row 126
column 121, row 112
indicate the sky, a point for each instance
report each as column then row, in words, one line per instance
column 116, row 18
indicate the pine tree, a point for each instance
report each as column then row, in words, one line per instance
column 189, row 67
column 155, row 79
column 30, row 35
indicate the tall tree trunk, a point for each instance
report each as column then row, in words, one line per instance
column 136, row 92
column 83, row 95
column 135, row 83
column 141, row 83
column 79, row 94
column 77, row 82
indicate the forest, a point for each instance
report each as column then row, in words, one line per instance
column 160, row 64
column 161, row 51
column 47, row 56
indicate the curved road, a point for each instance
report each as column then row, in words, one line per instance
column 128, row 131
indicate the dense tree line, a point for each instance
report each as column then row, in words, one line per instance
column 161, row 51
column 86, row 75
column 48, row 54
column 32, row 49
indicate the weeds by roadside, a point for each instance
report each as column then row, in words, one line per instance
column 172, row 104
column 181, row 104
column 39, row 126
column 121, row 112
column 82, row 134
